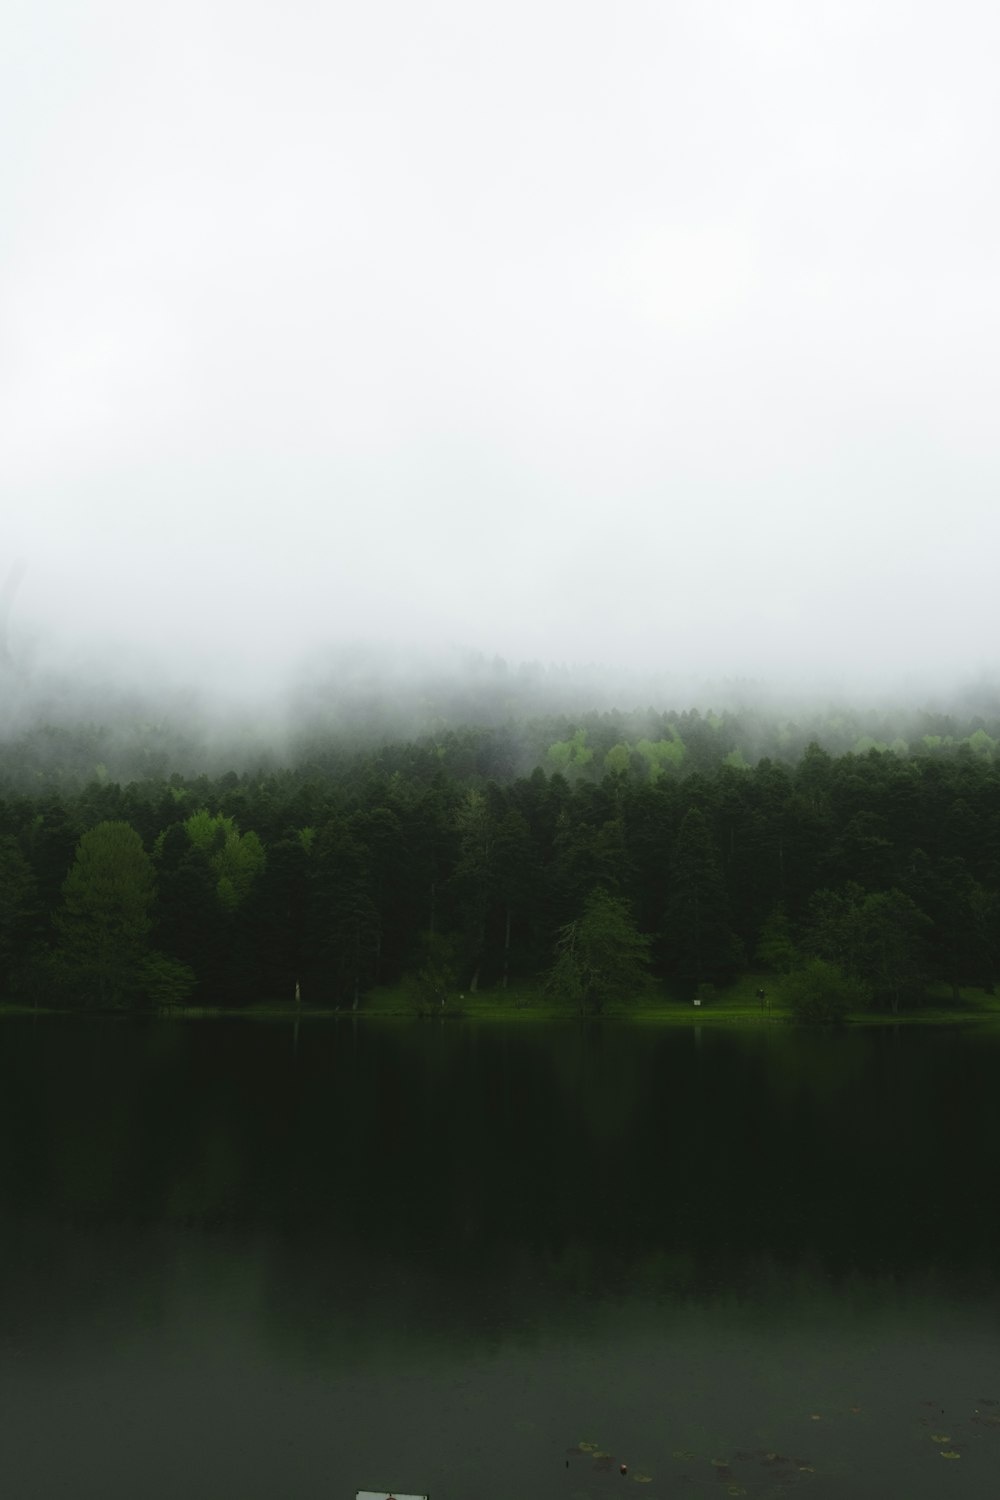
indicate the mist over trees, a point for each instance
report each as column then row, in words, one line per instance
column 122, row 723
column 513, row 848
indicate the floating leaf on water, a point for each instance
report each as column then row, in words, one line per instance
column 600, row 1453
column 814, row 1416
column 937, row 1437
column 949, row 1453
column 641, row 1478
column 806, row 1469
column 587, row 1447
column 721, row 1463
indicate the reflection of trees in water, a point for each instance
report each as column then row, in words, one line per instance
column 478, row 1180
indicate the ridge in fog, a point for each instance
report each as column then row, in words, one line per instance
column 267, row 662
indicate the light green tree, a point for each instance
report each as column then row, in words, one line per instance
column 662, row 754
column 236, row 859
column 981, row 744
column 617, row 759
column 572, row 754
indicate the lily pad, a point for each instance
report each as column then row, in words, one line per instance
column 641, row 1478
column 949, row 1453
column 600, row 1453
column 938, row 1437
column 806, row 1468
column 588, row 1447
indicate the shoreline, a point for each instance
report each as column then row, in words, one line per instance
column 487, row 1011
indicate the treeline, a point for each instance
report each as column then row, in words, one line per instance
column 425, row 865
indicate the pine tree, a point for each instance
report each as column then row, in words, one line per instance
column 701, row 946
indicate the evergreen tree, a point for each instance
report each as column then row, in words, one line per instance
column 699, row 942
column 517, row 884
column 601, row 956
column 776, row 950
column 346, row 917
column 474, row 876
column 876, row 938
column 17, row 904
column 106, row 917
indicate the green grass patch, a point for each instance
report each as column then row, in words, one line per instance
column 734, row 1004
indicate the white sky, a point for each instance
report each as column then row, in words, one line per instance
column 652, row 332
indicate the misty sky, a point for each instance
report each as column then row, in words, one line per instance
column 652, row 332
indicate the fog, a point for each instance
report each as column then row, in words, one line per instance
column 659, row 339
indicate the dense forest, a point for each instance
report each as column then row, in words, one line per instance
column 674, row 849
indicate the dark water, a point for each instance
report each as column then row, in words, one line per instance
column 237, row 1262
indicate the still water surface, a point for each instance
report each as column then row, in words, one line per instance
column 240, row 1261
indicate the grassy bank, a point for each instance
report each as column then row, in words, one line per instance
column 734, row 1004
column 737, row 1003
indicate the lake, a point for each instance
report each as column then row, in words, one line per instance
column 254, row 1260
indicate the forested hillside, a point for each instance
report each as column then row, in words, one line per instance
column 483, row 718
column 649, row 841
